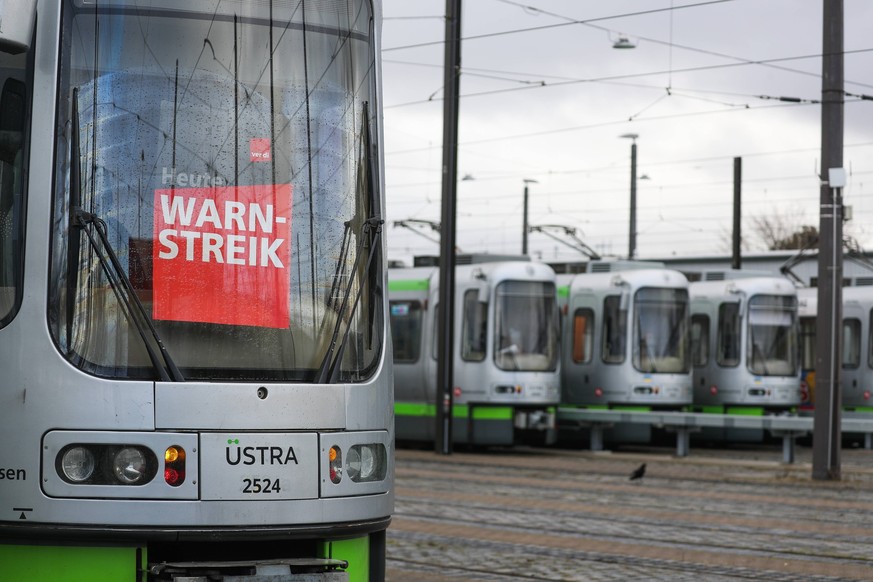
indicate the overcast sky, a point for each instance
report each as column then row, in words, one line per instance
column 546, row 98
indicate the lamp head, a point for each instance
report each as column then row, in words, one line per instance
column 623, row 42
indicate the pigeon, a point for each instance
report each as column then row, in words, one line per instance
column 638, row 472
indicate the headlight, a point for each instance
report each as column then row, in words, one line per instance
column 367, row 463
column 129, row 465
column 104, row 464
column 77, row 464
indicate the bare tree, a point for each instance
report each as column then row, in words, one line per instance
column 783, row 231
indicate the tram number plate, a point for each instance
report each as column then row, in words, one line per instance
column 258, row 466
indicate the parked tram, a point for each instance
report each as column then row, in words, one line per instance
column 745, row 344
column 196, row 382
column 626, row 338
column 505, row 355
column 857, row 365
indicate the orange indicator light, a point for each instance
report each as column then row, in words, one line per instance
column 174, row 465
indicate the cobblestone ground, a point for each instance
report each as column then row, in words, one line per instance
column 552, row 514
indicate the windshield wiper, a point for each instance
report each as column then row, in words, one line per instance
column 329, row 368
column 650, row 356
column 757, row 351
column 81, row 220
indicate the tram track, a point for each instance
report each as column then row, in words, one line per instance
column 593, row 512
column 592, row 525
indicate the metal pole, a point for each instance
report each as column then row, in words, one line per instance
column 828, row 348
column 632, row 240
column 736, row 260
column 524, row 226
column 445, row 332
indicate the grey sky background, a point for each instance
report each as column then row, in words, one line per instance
column 544, row 96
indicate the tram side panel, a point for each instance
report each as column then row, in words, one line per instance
column 411, row 316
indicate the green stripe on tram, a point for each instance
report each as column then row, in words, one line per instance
column 355, row 551
column 458, row 411
column 745, row 410
column 738, row 410
column 709, row 409
column 563, row 291
column 69, row 563
column 409, row 285
column 493, row 413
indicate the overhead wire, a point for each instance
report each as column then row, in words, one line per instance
column 552, row 26
column 528, row 83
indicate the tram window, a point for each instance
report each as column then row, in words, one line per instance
column 772, row 341
column 525, row 326
column 583, row 336
column 807, row 343
column 851, row 343
column 870, row 342
column 406, row 318
column 13, row 115
column 728, row 348
column 614, row 330
column 660, row 330
column 475, row 329
column 700, row 340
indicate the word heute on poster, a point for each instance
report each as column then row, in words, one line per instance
column 222, row 254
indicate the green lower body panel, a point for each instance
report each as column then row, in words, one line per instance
column 70, row 563
column 365, row 555
column 476, row 424
column 356, row 552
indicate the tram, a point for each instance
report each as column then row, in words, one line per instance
column 744, row 332
column 506, row 361
column 626, row 338
column 857, row 365
column 196, row 381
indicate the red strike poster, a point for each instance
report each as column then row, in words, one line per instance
column 222, row 255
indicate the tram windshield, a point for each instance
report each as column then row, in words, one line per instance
column 773, row 334
column 661, row 331
column 526, row 326
column 221, row 156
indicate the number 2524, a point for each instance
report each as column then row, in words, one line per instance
column 261, row 486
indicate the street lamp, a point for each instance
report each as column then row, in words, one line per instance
column 524, row 227
column 623, row 43
column 632, row 237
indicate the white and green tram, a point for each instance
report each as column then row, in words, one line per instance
column 625, row 338
column 745, row 346
column 196, row 381
column 505, row 350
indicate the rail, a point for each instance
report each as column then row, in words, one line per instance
column 787, row 426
